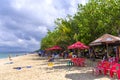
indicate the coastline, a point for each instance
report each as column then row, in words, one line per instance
column 14, row 54
column 6, row 60
column 39, row 70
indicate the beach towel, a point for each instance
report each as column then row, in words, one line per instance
column 9, row 63
column 50, row 64
column 19, row 68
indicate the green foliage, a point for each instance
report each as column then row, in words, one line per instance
column 91, row 21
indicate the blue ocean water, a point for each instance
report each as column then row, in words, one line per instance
column 12, row 54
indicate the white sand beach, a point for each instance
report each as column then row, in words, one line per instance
column 41, row 71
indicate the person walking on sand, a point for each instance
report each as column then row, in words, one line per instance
column 10, row 59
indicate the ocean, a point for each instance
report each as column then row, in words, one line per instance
column 12, row 54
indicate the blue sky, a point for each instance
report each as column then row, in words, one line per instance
column 23, row 23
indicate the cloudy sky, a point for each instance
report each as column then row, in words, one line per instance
column 23, row 23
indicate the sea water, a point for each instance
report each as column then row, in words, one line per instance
column 12, row 54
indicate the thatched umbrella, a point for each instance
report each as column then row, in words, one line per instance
column 105, row 40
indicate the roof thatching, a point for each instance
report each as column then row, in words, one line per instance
column 106, row 38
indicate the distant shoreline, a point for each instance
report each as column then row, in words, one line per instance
column 13, row 57
column 15, row 54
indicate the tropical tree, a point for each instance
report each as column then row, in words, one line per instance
column 92, row 20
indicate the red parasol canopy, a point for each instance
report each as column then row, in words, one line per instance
column 54, row 48
column 78, row 45
column 48, row 49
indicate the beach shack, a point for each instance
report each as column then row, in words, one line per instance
column 108, row 40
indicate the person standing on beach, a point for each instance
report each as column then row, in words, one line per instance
column 10, row 57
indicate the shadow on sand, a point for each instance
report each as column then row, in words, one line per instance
column 86, row 76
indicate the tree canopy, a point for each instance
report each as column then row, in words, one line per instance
column 90, row 21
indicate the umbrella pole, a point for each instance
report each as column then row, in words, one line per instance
column 117, row 53
column 107, row 50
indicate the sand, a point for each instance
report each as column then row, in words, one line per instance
column 41, row 71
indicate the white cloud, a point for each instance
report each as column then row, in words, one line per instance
column 42, row 11
column 25, row 43
column 42, row 29
column 6, row 36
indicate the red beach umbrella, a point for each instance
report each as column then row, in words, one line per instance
column 56, row 48
column 78, row 45
column 48, row 49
